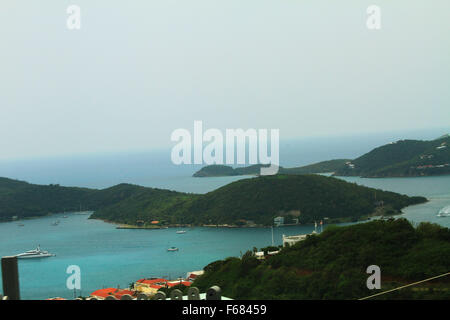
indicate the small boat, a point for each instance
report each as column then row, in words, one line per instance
column 172, row 249
column 181, row 232
column 21, row 225
column 37, row 253
column 55, row 223
column 444, row 212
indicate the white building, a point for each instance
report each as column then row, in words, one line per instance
column 291, row 240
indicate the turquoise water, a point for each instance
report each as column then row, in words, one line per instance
column 435, row 189
column 109, row 257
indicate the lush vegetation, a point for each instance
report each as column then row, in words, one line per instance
column 398, row 159
column 22, row 199
column 217, row 170
column 320, row 167
column 257, row 200
column 18, row 198
column 308, row 197
column 403, row 158
column 333, row 265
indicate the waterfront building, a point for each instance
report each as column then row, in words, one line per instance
column 278, row 221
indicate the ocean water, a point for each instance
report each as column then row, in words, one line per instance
column 435, row 189
column 110, row 257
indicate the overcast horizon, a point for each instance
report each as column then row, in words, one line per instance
column 136, row 72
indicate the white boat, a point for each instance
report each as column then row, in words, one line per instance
column 181, row 232
column 37, row 253
column 172, row 249
column 444, row 212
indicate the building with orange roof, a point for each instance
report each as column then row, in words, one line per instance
column 177, row 282
column 101, row 294
column 150, row 286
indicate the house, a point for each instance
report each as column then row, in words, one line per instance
column 150, row 286
column 191, row 276
column 278, row 221
column 174, row 283
column 140, row 223
column 101, row 294
column 291, row 240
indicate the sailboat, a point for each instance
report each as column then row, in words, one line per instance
column 444, row 212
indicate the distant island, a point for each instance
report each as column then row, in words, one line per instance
column 332, row 265
column 222, row 170
column 247, row 202
column 403, row 158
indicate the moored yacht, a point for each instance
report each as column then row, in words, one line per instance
column 36, row 253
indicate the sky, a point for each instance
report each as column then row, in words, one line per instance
column 138, row 70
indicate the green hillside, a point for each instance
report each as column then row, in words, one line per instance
column 22, row 199
column 306, row 197
column 18, row 198
column 333, row 265
column 402, row 158
column 319, row 167
column 216, row 170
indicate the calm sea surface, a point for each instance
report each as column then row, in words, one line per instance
column 109, row 257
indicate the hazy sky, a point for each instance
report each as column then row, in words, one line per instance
column 137, row 70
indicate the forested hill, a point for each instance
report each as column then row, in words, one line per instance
column 332, row 265
column 22, row 199
column 402, row 158
column 256, row 200
column 259, row 200
column 217, row 170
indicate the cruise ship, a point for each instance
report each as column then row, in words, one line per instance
column 36, row 253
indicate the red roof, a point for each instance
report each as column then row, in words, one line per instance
column 152, row 281
column 118, row 293
column 192, row 276
column 175, row 283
